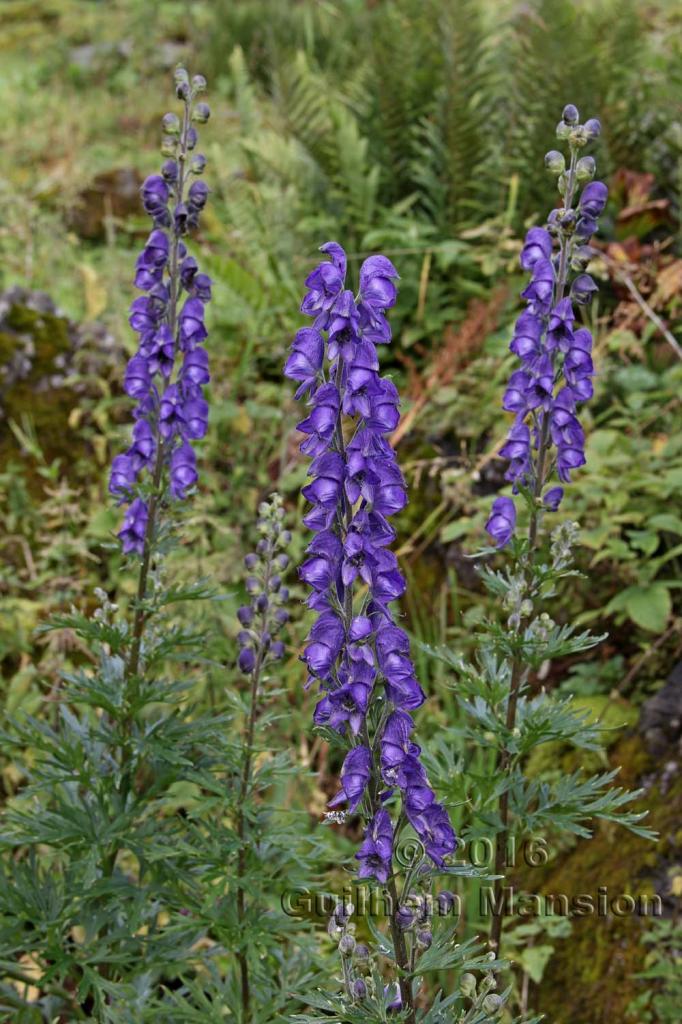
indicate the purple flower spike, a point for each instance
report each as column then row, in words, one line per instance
column 168, row 415
column 556, row 357
column 359, row 657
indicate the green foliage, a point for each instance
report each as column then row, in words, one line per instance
column 660, row 1003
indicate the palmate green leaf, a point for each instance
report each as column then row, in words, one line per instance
column 446, row 953
column 544, row 719
column 572, row 801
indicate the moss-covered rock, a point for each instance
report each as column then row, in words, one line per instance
column 48, row 363
column 591, row 977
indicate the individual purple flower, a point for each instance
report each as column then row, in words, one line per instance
column 552, row 498
column 537, row 246
column 183, row 470
column 355, row 775
column 132, row 533
column 433, row 827
column 502, row 521
column 305, row 362
column 376, row 852
column 539, row 292
column 325, row 283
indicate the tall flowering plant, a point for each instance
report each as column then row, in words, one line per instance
column 356, row 652
column 133, row 885
column 545, row 446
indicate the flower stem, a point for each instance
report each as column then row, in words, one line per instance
column 401, row 956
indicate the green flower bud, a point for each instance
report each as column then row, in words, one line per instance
column 555, row 162
column 347, row 945
column 585, row 168
column 593, row 128
column 201, row 113
column 578, row 137
column 198, row 83
column 467, row 984
column 563, row 130
column 492, row 1003
column 171, row 124
column 169, row 145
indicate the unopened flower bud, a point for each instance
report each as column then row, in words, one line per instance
column 424, row 938
column 585, row 168
column 578, row 136
column 198, row 164
column 247, row 660
column 252, row 585
column 555, row 162
column 169, row 145
column 262, row 603
column 467, row 984
column 245, row 615
column 359, row 989
column 404, row 917
column 570, row 114
column 262, row 546
column 282, row 561
column 593, row 128
column 198, row 83
column 346, row 945
column 171, row 124
column 251, row 561
column 170, row 171
column 201, row 113
column 563, row 130
column 277, row 650
column 361, row 952
column 492, row 1003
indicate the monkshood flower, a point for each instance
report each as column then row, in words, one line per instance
column 266, row 614
column 556, row 369
column 355, row 651
column 168, row 371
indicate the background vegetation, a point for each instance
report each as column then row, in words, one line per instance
column 416, row 127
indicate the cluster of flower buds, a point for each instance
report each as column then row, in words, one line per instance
column 263, row 618
column 167, row 373
column 355, row 956
column 356, row 652
column 556, row 362
column 485, row 1002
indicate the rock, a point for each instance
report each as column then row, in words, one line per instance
column 111, row 194
column 47, row 365
column 660, row 719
